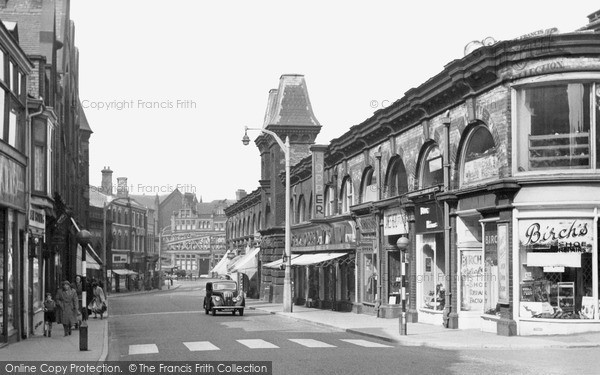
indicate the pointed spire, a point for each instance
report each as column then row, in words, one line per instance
column 292, row 104
column 271, row 105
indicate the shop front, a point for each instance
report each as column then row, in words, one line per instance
column 37, row 267
column 431, row 263
column 556, row 260
column 12, row 255
column 395, row 225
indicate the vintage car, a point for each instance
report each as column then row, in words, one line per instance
column 223, row 295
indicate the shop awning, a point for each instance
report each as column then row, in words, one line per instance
column 124, row 272
column 552, row 195
column 306, row 259
column 91, row 264
column 221, row 267
column 277, row 263
column 555, row 259
column 247, row 263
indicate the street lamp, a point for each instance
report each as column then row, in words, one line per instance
column 402, row 244
column 104, row 267
column 287, row 284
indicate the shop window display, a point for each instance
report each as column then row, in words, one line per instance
column 556, row 275
column 370, row 278
column 431, row 275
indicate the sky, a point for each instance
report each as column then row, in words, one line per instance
column 168, row 86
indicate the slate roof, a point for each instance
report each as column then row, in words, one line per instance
column 291, row 105
column 83, row 122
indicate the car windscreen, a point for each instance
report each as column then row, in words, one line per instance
column 223, row 286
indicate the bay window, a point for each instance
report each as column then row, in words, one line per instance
column 556, row 123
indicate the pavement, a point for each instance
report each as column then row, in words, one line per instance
column 421, row 334
column 67, row 348
column 61, row 348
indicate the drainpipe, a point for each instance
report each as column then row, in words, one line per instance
column 446, row 155
column 379, row 300
column 25, row 274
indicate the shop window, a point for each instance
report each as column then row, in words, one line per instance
column 369, row 277
column 368, row 187
column 431, row 169
column 347, row 195
column 556, row 272
column 396, row 180
column 490, row 253
column 471, row 280
column 554, row 126
column 480, row 162
column 432, row 272
column 394, row 271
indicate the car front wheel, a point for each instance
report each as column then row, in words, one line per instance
column 214, row 312
column 241, row 312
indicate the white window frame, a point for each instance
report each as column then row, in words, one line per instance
column 347, row 195
column 541, row 81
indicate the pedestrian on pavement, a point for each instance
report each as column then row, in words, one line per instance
column 66, row 301
column 98, row 305
column 49, row 314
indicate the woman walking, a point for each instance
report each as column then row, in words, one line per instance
column 66, row 303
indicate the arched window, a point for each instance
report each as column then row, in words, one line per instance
column 479, row 160
column 432, row 172
column 329, row 201
column 301, row 215
column 396, row 179
column 368, row 186
column 253, row 224
column 347, row 195
column 309, row 214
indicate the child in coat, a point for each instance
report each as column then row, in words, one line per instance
column 49, row 314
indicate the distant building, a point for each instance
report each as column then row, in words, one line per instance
column 194, row 240
column 130, row 233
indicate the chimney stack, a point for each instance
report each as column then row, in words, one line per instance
column 107, row 181
column 239, row 194
column 122, row 187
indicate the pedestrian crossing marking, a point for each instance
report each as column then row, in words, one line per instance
column 197, row 346
column 310, row 343
column 143, row 349
column 366, row 344
column 258, row 344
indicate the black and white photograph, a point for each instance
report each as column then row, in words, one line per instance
column 318, row 187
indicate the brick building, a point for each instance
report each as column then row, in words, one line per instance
column 489, row 169
column 52, row 169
